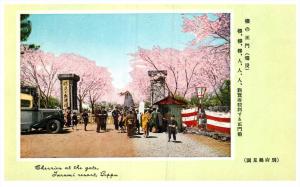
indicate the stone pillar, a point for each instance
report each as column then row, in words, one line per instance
column 68, row 85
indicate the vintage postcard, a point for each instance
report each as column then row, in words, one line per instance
column 120, row 92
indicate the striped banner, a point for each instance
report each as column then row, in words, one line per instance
column 218, row 121
column 190, row 117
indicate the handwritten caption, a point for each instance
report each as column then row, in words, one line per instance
column 72, row 171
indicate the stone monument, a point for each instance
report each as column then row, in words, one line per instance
column 68, row 87
column 128, row 100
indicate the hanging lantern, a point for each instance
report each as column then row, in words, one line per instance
column 200, row 91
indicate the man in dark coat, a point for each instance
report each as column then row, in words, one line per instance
column 115, row 115
column 97, row 120
column 130, row 121
column 154, row 121
column 67, row 117
column 172, row 125
column 74, row 120
column 102, row 118
column 85, row 118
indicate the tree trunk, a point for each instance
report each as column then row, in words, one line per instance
column 80, row 105
column 218, row 96
column 93, row 107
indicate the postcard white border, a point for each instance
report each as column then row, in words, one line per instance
column 274, row 183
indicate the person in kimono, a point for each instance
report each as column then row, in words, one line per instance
column 146, row 117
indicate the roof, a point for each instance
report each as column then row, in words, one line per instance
column 68, row 77
column 169, row 100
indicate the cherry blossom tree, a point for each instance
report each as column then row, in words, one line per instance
column 186, row 69
column 202, row 27
column 206, row 65
column 217, row 32
column 94, row 80
column 39, row 69
column 182, row 68
column 158, row 59
column 140, row 86
column 101, row 86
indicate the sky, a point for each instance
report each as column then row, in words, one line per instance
column 108, row 39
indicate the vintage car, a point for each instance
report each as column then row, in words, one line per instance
column 33, row 117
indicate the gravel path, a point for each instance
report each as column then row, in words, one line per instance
column 157, row 145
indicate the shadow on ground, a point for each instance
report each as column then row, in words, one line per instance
column 65, row 131
column 135, row 136
column 152, row 137
column 177, row 141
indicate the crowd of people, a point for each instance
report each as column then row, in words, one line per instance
column 127, row 120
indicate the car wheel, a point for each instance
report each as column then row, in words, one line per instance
column 54, row 126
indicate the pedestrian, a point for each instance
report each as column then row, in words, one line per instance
column 102, row 118
column 145, row 123
column 172, row 125
column 135, row 124
column 97, row 119
column 67, row 117
column 121, row 122
column 150, row 123
column 85, row 117
column 130, row 121
column 115, row 115
column 74, row 120
column 166, row 118
column 159, row 122
column 139, row 121
column 154, row 121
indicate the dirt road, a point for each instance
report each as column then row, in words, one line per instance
column 77, row 143
column 86, row 144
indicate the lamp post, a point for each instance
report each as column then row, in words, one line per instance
column 200, row 93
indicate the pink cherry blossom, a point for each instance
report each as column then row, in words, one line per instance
column 41, row 69
column 205, row 65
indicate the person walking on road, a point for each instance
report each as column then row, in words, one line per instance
column 145, row 123
column 102, row 118
column 67, row 117
column 154, row 121
column 97, row 120
column 139, row 120
column 122, row 122
column 115, row 115
column 74, row 120
column 130, row 121
column 85, row 117
column 172, row 125
column 136, row 122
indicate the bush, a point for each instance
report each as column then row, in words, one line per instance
column 52, row 103
column 222, row 99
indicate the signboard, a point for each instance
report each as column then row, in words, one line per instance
column 65, row 93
